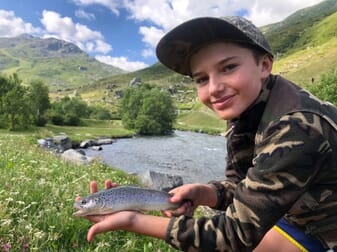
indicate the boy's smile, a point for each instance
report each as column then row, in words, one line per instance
column 228, row 78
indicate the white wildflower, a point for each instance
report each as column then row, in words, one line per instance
column 39, row 234
column 5, row 222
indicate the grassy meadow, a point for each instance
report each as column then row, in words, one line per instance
column 37, row 191
column 90, row 129
column 201, row 119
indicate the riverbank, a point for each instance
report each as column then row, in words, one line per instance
column 95, row 129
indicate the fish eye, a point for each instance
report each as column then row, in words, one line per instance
column 84, row 201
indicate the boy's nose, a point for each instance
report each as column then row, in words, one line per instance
column 216, row 84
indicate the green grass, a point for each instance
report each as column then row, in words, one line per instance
column 200, row 119
column 301, row 66
column 37, row 191
column 91, row 129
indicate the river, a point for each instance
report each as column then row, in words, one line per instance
column 194, row 156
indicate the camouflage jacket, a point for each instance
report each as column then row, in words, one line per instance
column 282, row 162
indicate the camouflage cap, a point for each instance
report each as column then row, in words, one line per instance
column 176, row 47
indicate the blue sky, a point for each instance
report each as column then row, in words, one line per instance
column 124, row 33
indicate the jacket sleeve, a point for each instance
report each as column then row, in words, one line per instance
column 286, row 161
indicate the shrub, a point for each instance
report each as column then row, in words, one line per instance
column 100, row 114
column 72, row 119
column 325, row 87
column 56, row 118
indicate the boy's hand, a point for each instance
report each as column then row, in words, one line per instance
column 193, row 195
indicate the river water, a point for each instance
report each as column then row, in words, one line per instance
column 194, row 156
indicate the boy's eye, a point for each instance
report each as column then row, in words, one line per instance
column 201, row 80
column 229, row 67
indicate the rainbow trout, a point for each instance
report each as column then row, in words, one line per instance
column 123, row 198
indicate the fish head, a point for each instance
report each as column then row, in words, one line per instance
column 89, row 205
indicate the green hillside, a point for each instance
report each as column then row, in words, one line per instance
column 156, row 74
column 284, row 36
column 59, row 64
column 315, row 53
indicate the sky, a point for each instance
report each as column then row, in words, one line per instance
column 124, row 33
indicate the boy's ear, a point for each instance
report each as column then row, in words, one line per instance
column 266, row 65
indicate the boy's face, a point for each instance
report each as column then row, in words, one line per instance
column 228, row 78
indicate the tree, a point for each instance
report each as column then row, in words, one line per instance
column 100, row 113
column 76, row 106
column 130, row 105
column 38, row 94
column 68, row 111
column 148, row 111
column 15, row 109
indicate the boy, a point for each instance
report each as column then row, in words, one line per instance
column 280, row 191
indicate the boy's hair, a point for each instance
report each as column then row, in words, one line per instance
column 257, row 52
column 175, row 49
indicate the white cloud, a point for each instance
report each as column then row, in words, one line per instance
column 151, row 35
column 102, row 46
column 122, row 62
column 146, row 53
column 11, row 26
column 113, row 5
column 169, row 13
column 264, row 12
column 83, row 14
column 166, row 14
column 65, row 29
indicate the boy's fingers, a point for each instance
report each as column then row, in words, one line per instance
column 185, row 209
column 93, row 187
column 109, row 184
column 167, row 213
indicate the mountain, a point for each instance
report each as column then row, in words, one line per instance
column 304, row 43
column 286, row 36
column 308, row 33
column 59, row 64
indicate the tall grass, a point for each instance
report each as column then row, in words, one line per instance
column 37, row 191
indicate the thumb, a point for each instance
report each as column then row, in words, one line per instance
column 97, row 228
column 175, row 198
